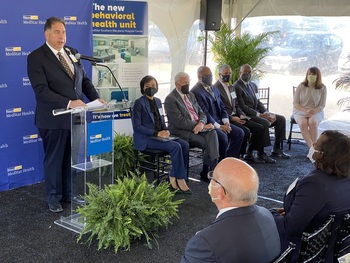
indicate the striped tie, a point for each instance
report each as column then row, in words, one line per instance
column 65, row 65
column 191, row 109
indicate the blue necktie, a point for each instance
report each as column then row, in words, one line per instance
column 250, row 90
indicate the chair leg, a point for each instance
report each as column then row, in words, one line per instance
column 289, row 142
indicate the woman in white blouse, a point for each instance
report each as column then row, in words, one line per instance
column 308, row 104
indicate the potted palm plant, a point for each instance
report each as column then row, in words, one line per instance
column 343, row 83
column 236, row 51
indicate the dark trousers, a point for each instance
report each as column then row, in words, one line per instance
column 230, row 144
column 280, row 130
column 178, row 150
column 253, row 136
column 57, row 164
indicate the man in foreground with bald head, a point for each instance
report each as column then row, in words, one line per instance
column 242, row 231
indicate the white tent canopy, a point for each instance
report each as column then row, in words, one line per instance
column 175, row 17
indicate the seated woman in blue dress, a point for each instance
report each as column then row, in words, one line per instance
column 149, row 128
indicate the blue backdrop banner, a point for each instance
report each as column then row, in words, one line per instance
column 22, row 31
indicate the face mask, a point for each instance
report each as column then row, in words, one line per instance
column 311, row 153
column 185, row 89
column 207, row 79
column 246, row 77
column 209, row 192
column 151, row 91
column 226, row 78
column 311, row 78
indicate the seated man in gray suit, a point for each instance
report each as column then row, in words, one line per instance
column 242, row 231
column 187, row 120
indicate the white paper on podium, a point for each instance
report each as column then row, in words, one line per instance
column 90, row 105
column 93, row 104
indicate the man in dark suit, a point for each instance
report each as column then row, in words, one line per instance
column 188, row 121
column 230, row 137
column 253, row 131
column 248, row 101
column 242, row 231
column 59, row 81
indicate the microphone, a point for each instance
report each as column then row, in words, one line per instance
column 91, row 59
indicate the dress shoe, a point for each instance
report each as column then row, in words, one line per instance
column 252, row 158
column 55, row 207
column 78, row 200
column 266, row 159
column 280, row 153
column 75, row 199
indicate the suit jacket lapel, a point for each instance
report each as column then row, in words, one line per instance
column 183, row 106
column 148, row 108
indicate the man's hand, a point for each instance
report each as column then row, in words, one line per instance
column 237, row 119
column 76, row 103
column 198, row 127
column 268, row 117
column 102, row 101
column 226, row 128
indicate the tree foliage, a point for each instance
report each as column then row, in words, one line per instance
column 236, row 51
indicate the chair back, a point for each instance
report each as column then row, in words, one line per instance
column 286, row 256
column 264, row 97
column 314, row 245
column 342, row 241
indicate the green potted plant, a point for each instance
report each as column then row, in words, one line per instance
column 236, row 51
column 124, row 155
column 343, row 83
column 125, row 211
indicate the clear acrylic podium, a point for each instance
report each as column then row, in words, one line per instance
column 92, row 157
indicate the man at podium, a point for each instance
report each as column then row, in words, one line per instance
column 59, row 81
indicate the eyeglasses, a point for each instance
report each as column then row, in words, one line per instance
column 210, row 177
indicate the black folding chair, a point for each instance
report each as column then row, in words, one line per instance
column 342, row 242
column 314, row 245
column 286, row 256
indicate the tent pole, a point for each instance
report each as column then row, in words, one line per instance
column 205, row 48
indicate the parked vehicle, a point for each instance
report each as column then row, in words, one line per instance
column 303, row 49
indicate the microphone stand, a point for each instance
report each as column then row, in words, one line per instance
column 125, row 103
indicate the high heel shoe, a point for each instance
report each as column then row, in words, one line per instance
column 172, row 181
column 180, row 191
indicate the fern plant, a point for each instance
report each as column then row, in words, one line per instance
column 236, row 51
column 124, row 156
column 127, row 210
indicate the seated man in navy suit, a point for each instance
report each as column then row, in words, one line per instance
column 242, row 231
column 230, row 137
